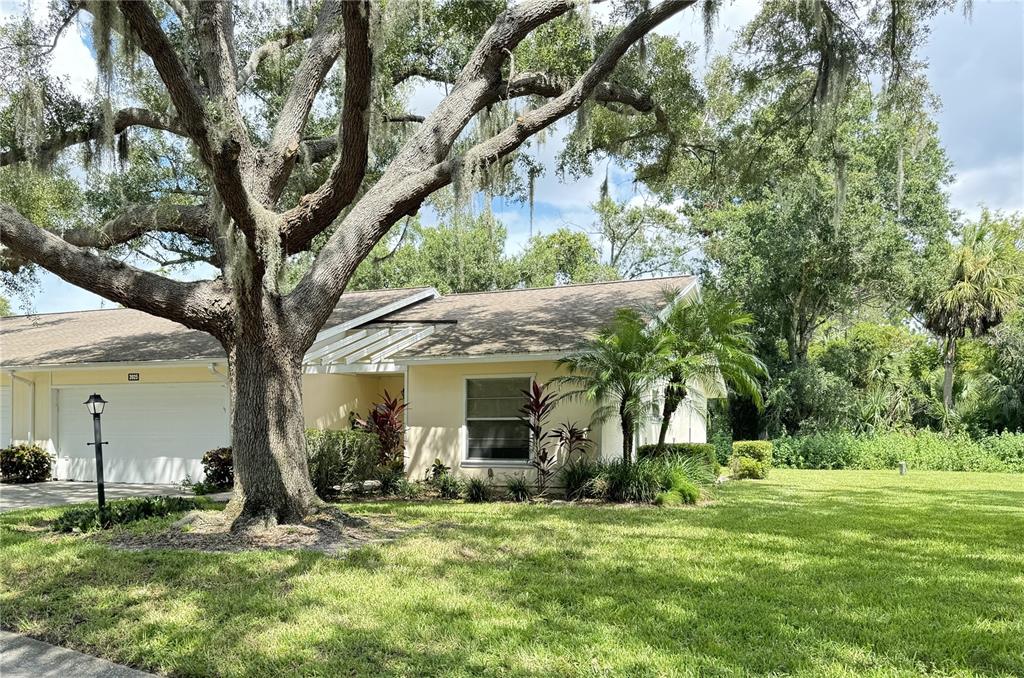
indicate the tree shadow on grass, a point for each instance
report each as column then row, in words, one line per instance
column 810, row 582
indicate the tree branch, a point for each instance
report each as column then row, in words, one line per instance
column 421, row 166
column 200, row 305
column 317, row 210
column 180, row 8
column 531, row 122
column 269, row 49
column 219, row 152
column 123, row 119
column 314, row 150
column 324, row 49
column 434, row 139
column 134, row 222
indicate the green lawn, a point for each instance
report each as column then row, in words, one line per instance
column 813, row 573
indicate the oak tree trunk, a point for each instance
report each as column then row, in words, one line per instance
column 272, row 482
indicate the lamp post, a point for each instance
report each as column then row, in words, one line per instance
column 95, row 405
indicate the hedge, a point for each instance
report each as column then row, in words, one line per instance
column 923, row 450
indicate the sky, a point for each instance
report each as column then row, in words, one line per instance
column 975, row 66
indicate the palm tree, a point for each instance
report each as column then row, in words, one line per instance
column 984, row 283
column 710, row 342
column 618, row 369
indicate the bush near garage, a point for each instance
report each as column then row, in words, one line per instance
column 25, row 463
column 219, row 469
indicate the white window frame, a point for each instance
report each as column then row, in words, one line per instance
column 465, row 459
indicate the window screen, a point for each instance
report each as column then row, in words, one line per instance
column 492, row 419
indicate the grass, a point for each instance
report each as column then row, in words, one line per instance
column 810, row 573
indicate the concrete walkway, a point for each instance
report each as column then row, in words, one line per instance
column 24, row 657
column 60, row 492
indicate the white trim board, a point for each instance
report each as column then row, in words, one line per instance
column 487, row 358
column 42, row 367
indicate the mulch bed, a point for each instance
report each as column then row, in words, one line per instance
column 330, row 532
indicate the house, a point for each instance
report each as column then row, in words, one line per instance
column 461, row 360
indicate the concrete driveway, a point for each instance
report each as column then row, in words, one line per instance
column 59, row 492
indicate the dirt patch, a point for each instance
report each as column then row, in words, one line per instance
column 331, row 533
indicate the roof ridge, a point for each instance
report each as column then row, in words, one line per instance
column 560, row 287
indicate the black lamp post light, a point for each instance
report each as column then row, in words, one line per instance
column 95, row 405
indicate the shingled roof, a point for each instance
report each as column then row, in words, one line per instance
column 126, row 335
column 538, row 320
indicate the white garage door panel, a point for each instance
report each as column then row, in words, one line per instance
column 155, row 433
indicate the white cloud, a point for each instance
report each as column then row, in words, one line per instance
column 998, row 186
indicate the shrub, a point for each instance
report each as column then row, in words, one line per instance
column 637, row 482
column 438, row 469
column 925, row 450
column 751, row 458
column 518, row 488
column 448, row 486
column 219, row 469
column 386, row 420
column 390, row 480
column 478, row 490
column 685, row 492
column 338, row 457
column 25, row 463
column 598, row 487
column 578, row 476
column 922, row 450
column 748, row 467
column 537, row 405
column 1008, row 448
column 834, row 450
column 120, row 512
column 406, row 489
column 760, row 450
column 198, row 488
column 705, row 452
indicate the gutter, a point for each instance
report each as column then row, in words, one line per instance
column 43, row 367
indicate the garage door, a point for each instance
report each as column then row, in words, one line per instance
column 155, row 433
column 5, row 416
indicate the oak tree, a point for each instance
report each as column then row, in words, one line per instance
column 272, row 185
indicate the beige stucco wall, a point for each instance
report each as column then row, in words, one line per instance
column 436, row 416
column 327, row 399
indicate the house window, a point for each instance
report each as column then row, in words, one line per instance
column 493, row 429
